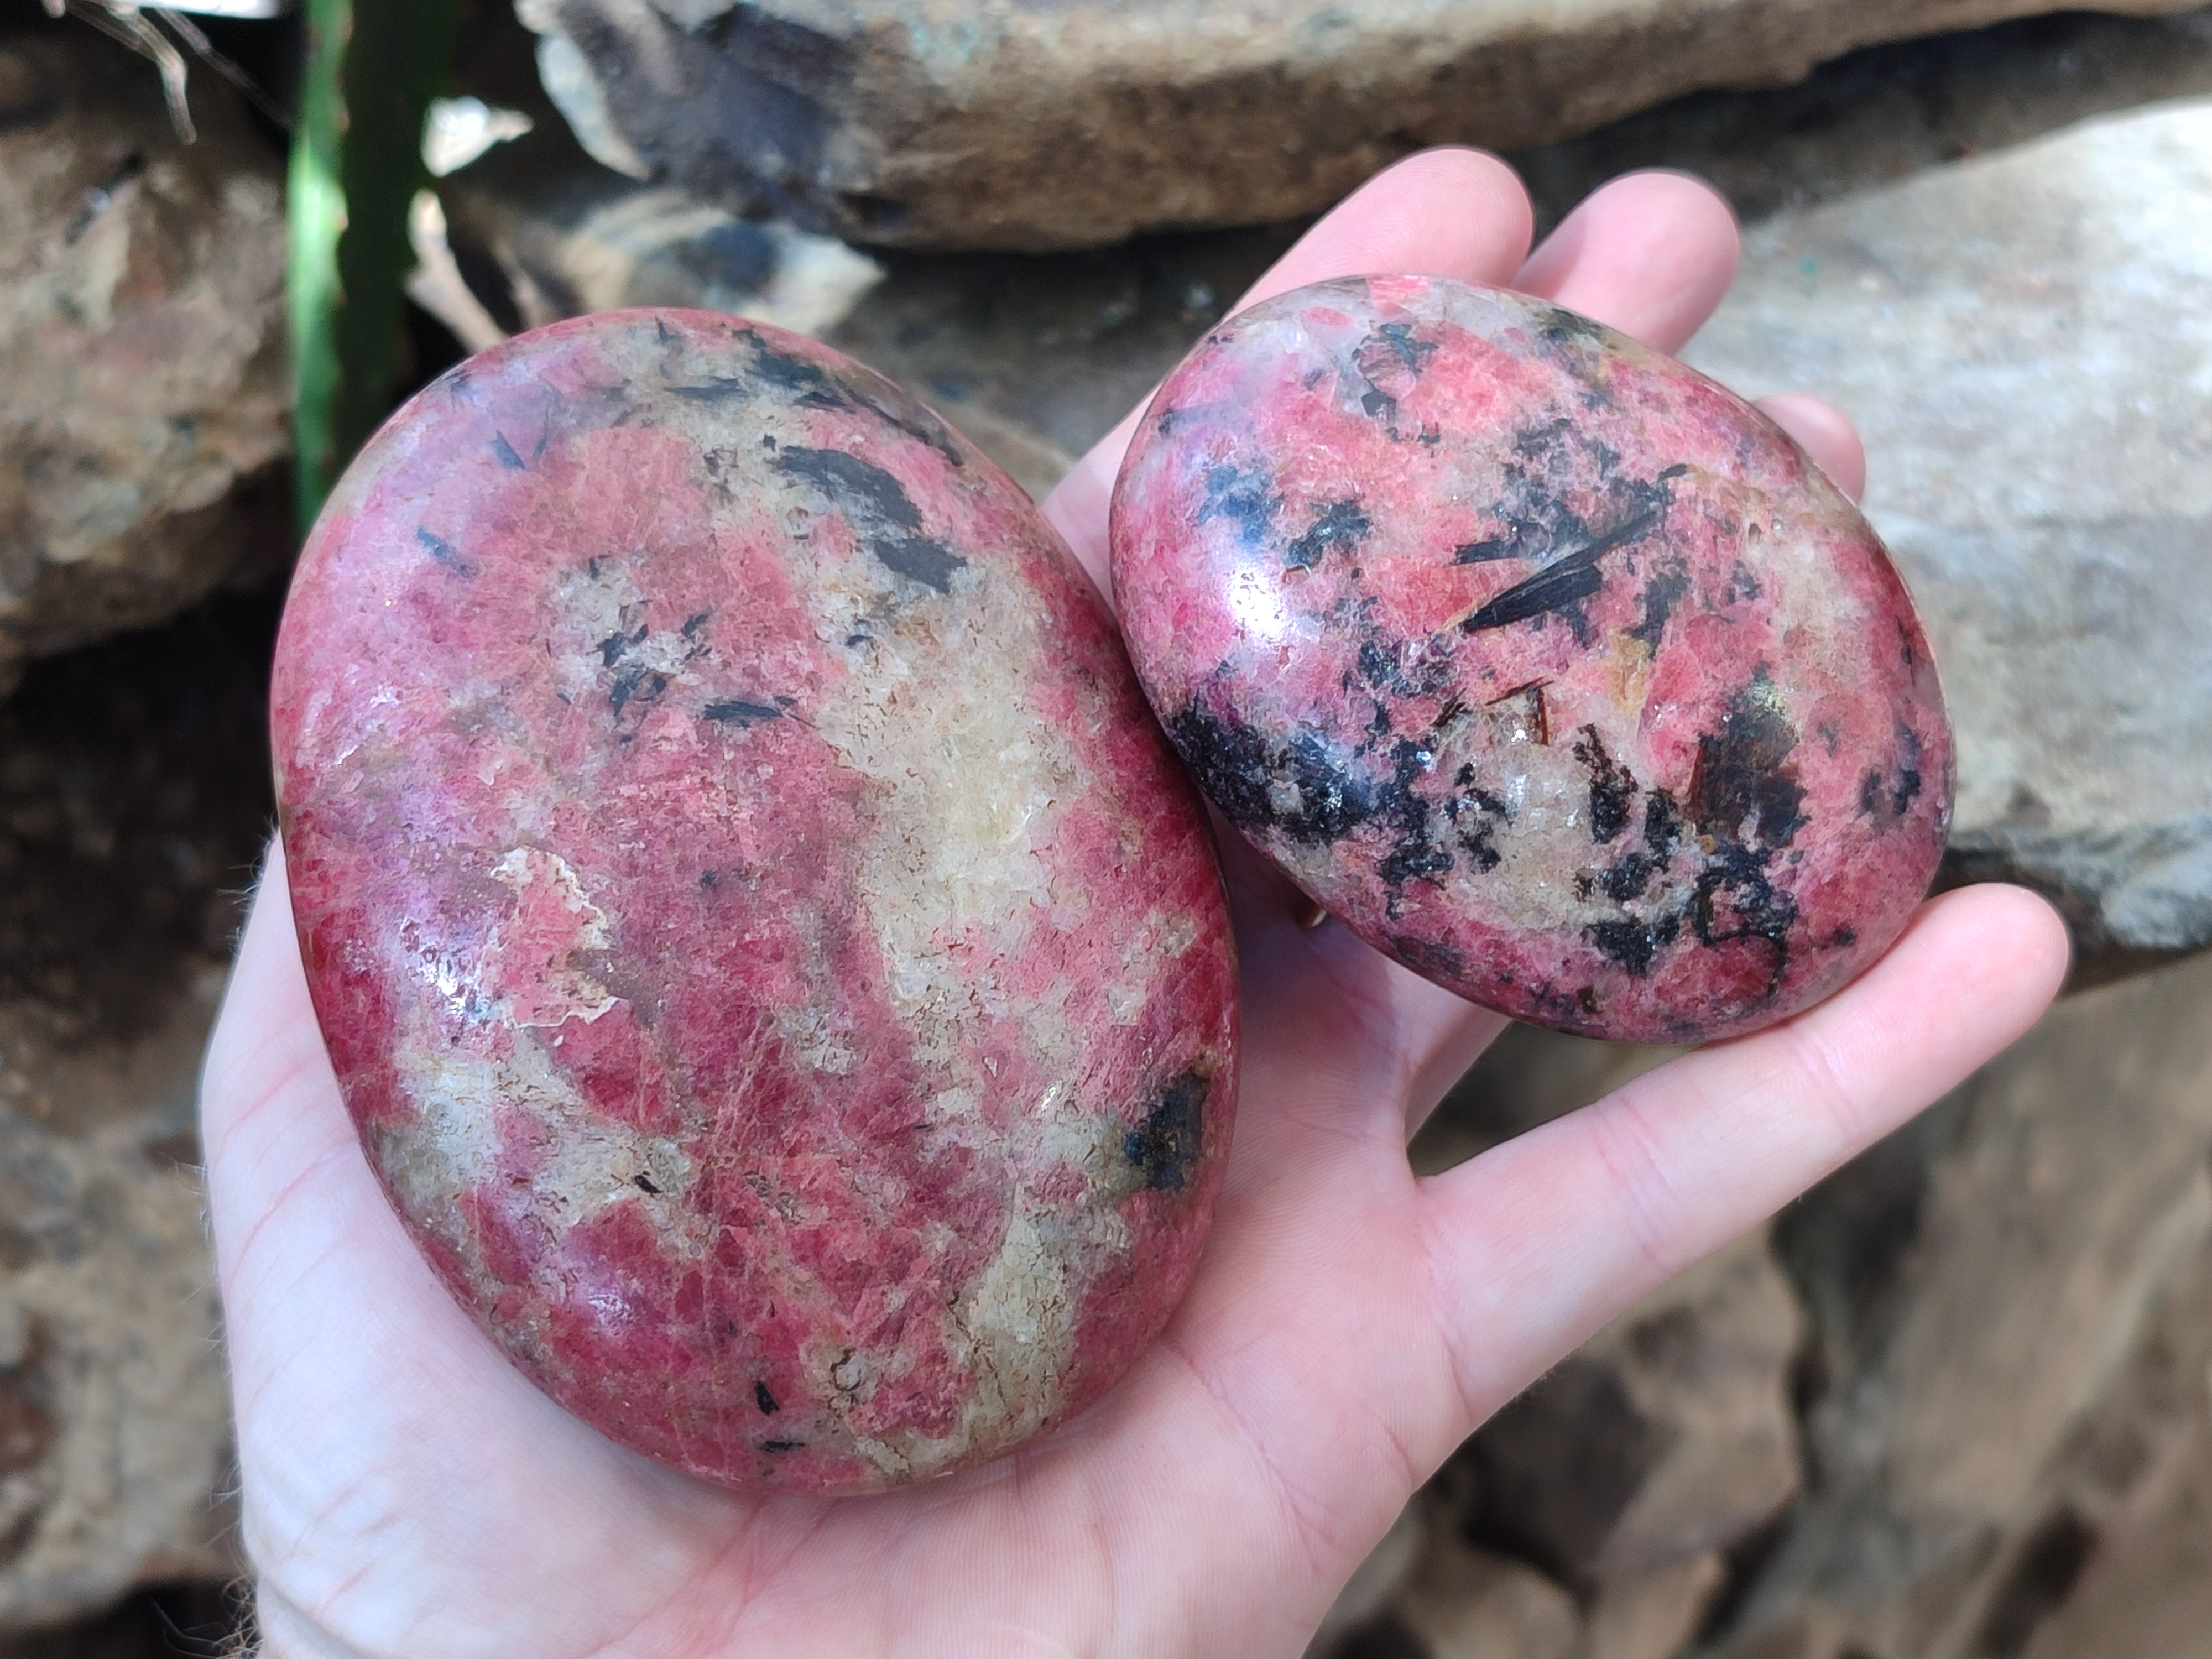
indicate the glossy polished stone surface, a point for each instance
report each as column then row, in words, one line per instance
column 1555, row 669
column 779, row 972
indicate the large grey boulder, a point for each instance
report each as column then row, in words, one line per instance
column 1877, row 116
column 2026, row 341
column 1036, row 124
column 1062, row 345
column 143, row 387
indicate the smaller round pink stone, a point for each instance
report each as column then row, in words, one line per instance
column 1556, row 670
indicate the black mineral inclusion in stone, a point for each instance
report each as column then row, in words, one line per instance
column 1612, row 789
column 1166, row 1147
column 444, row 552
column 1244, row 499
column 1338, row 528
column 880, row 510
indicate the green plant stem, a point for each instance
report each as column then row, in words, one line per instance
column 373, row 67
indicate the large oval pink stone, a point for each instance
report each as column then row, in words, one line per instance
column 779, row 972
column 1554, row 668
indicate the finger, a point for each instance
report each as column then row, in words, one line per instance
column 1444, row 212
column 1341, row 1043
column 1650, row 254
column 1825, row 434
column 1538, row 1243
column 1454, row 212
column 269, row 1105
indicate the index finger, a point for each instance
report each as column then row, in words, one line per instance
column 1442, row 213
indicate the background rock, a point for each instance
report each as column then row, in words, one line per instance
column 114, row 1415
column 1038, row 356
column 1528, row 1076
column 1061, row 346
column 2120, row 1566
column 1885, row 113
column 544, row 232
column 189, row 1617
column 1980, row 1286
column 2025, row 343
column 1676, row 1421
column 133, row 797
column 1002, row 123
column 535, row 230
column 1990, row 1352
column 142, row 398
column 1656, row 1615
column 1466, row 1603
column 1591, row 1517
column 592, row 247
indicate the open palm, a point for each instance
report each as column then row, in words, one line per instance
column 407, row 1492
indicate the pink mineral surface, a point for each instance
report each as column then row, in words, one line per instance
column 1555, row 669
column 778, row 971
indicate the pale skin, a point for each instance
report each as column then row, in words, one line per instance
column 408, row 1495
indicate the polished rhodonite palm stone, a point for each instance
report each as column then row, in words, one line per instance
column 1555, row 669
column 778, row 970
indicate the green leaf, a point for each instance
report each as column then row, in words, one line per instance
column 373, row 67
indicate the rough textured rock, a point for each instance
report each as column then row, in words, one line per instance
column 1655, row 1614
column 536, row 231
column 541, row 231
column 1625, row 1476
column 132, row 802
column 1015, row 125
column 1675, row 1423
column 113, row 1416
column 187, row 1617
column 2024, row 341
column 2118, row 1566
column 1884, row 113
column 1558, row 673
column 2010, row 1428
column 1060, row 347
column 1056, row 346
column 1979, row 1285
column 1034, row 357
column 835, row 982
column 142, row 376
column 570, row 244
column 1466, row 1603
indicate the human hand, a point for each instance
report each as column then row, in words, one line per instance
column 407, row 1492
